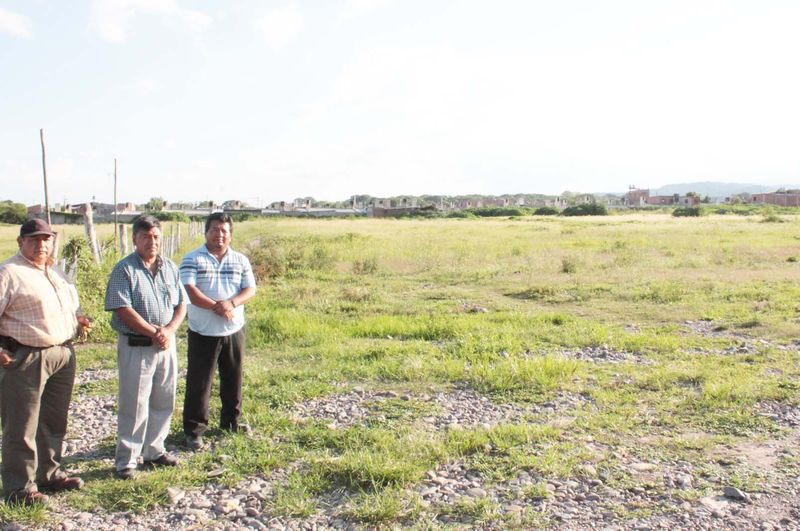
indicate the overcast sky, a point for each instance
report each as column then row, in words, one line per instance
column 272, row 100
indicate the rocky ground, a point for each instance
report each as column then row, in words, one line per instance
column 591, row 500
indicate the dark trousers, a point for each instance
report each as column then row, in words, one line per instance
column 205, row 354
column 35, row 390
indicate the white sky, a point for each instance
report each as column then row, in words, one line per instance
column 272, row 100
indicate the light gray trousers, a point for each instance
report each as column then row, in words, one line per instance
column 147, row 380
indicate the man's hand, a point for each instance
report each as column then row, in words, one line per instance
column 84, row 326
column 5, row 358
column 163, row 338
column 224, row 309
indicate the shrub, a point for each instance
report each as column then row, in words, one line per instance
column 545, row 211
column 568, row 265
column 14, row 213
column 242, row 216
column 366, row 266
column 460, row 214
column 169, row 216
column 275, row 257
column 591, row 209
column 492, row 212
column 683, row 212
column 90, row 280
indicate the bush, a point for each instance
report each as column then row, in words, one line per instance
column 568, row 265
column 169, row 216
column 275, row 256
column 687, row 212
column 366, row 266
column 546, row 211
column 493, row 212
column 91, row 280
column 14, row 213
column 461, row 214
column 591, row 209
column 241, row 216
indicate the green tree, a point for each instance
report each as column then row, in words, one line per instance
column 156, row 204
column 11, row 212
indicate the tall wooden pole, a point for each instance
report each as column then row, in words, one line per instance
column 115, row 208
column 44, row 172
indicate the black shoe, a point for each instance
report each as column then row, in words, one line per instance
column 194, row 442
column 161, row 460
column 125, row 473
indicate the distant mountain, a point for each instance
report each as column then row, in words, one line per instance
column 713, row 189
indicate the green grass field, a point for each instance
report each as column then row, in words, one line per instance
column 494, row 306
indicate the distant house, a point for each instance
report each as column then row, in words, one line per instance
column 584, row 199
column 789, row 198
column 663, row 200
column 100, row 209
column 636, row 197
column 35, row 210
column 639, row 198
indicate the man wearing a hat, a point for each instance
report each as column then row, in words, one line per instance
column 39, row 317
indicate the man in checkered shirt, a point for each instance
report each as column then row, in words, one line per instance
column 148, row 304
column 39, row 317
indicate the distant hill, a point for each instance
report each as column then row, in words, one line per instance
column 713, row 189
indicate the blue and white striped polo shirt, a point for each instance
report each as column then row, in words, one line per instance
column 218, row 280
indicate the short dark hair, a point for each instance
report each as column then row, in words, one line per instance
column 222, row 217
column 145, row 223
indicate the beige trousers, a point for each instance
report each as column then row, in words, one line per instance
column 147, row 381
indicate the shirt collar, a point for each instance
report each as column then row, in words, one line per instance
column 159, row 261
column 47, row 265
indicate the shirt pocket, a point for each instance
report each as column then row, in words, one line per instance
column 172, row 295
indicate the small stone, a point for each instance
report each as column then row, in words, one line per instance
column 175, row 495
column 476, row 492
column 216, row 473
column 201, row 503
column 735, row 494
column 226, row 505
column 642, row 467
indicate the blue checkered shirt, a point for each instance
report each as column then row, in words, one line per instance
column 154, row 298
column 218, row 280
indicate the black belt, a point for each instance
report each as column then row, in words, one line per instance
column 12, row 345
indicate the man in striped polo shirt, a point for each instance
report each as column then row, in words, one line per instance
column 219, row 281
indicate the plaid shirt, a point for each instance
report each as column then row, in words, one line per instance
column 219, row 280
column 37, row 306
column 153, row 297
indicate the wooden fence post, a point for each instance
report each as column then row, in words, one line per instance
column 88, row 220
column 123, row 239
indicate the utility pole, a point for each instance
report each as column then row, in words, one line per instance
column 116, row 233
column 44, row 172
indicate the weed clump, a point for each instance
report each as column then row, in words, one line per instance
column 568, row 265
column 687, row 212
column 592, row 209
column 275, row 256
column 367, row 266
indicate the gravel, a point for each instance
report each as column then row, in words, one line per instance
column 651, row 494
